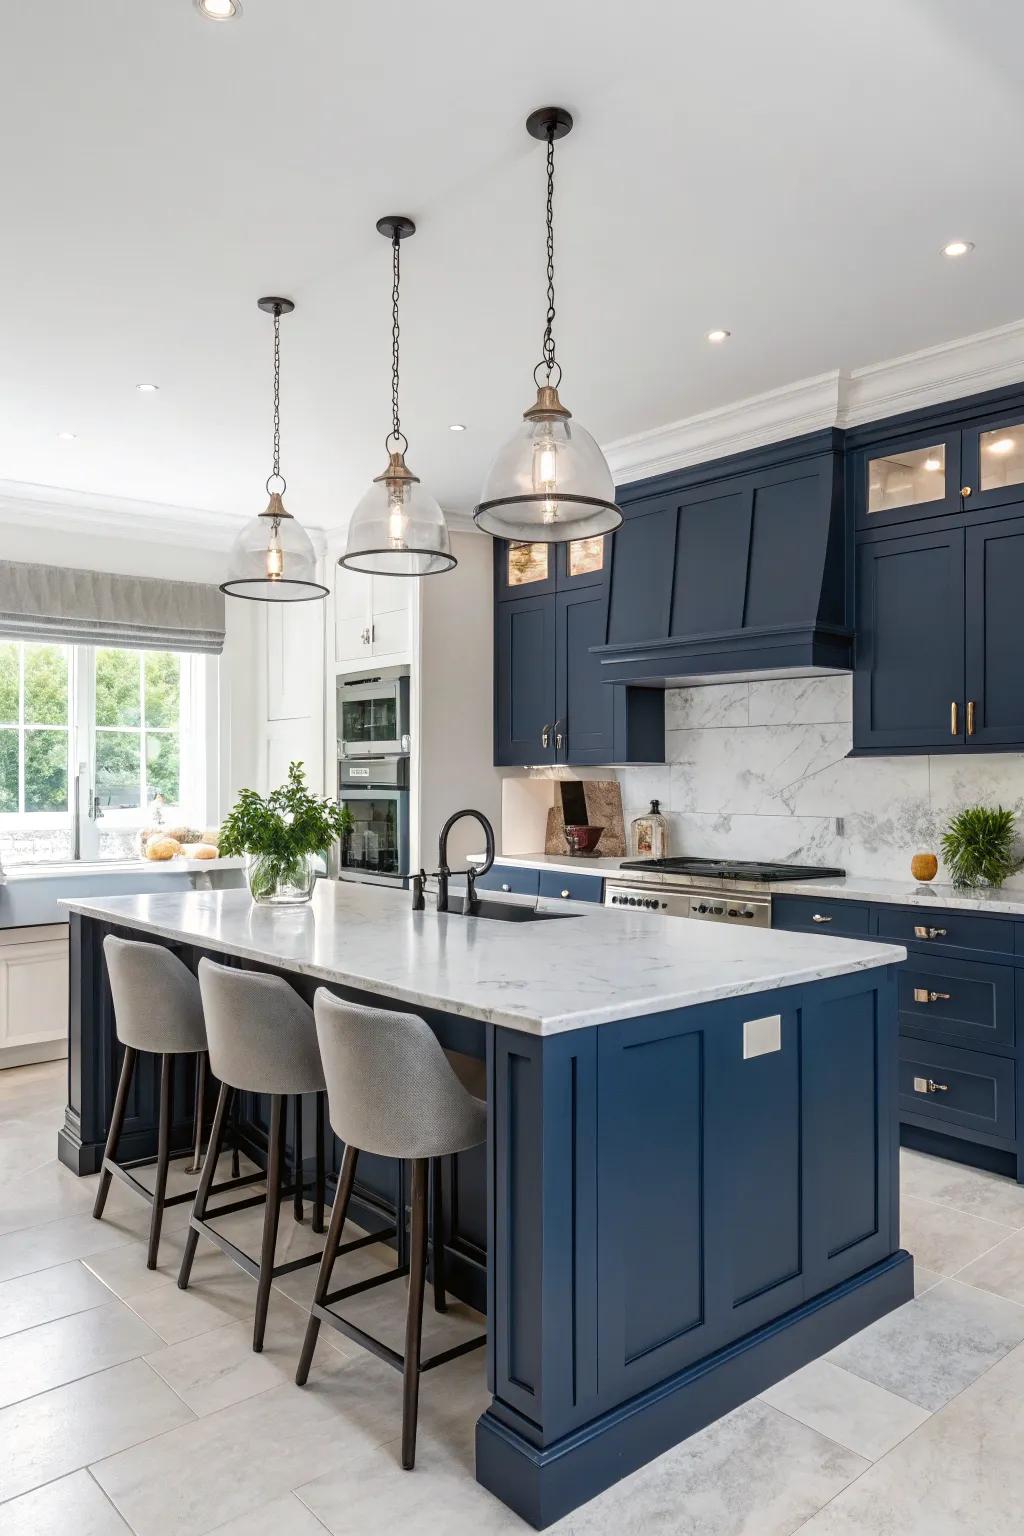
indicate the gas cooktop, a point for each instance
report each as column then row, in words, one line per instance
column 733, row 869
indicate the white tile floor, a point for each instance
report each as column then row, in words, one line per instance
column 126, row 1405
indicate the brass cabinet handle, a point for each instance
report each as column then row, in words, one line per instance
column 965, row 490
column 929, row 933
column 954, row 718
column 922, row 995
column 819, row 917
column 545, row 736
column 970, row 717
column 559, row 737
column 929, row 1085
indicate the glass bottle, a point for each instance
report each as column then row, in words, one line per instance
column 649, row 834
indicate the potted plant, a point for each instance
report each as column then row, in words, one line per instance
column 979, row 846
column 282, row 838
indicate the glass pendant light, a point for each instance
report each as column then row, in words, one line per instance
column 397, row 529
column 550, row 483
column 272, row 559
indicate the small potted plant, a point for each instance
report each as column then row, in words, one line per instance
column 979, row 846
column 283, row 838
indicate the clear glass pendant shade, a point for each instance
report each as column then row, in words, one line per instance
column 273, row 560
column 550, row 482
column 398, row 529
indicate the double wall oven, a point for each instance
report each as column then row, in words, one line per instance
column 373, row 774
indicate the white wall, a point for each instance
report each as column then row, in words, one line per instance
column 760, row 770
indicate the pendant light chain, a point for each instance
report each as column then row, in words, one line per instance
column 396, row 435
column 548, row 348
column 276, row 473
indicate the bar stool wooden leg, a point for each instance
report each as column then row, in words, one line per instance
column 414, row 1316
column 163, row 1153
column 297, row 1194
column 271, row 1216
column 206, row 1180
column 437, row 1235
column 197, row 1119
column 342, row 1196
column 116, row 1123
column 319, row 1188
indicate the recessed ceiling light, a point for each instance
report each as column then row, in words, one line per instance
column 1002, row 445
column 219, row 10
column 147, row 389
column 68, row 437
column 958, row 248
column 457, row 426
column 717, row 336
column 933, row 464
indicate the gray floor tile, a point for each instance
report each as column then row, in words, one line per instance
column 924, row 1279
column 930, row 1349
column 944, row 1239
column 972, row 1190
column 43, row 1195
column 59, row 1431
column 1001, row 1270
column 73, row 1504
column 960, row 1474
column 854, row 1412
column 282, row 1517
column 40, row 1358
column 49, row 1293
column 72, row 1237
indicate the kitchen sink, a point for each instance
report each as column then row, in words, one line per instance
column 505, row 911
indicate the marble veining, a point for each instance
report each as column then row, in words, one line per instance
column 542, row 978
column 761, row 770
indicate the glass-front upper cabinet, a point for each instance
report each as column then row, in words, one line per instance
column 993, row 462
column 909, row 478
column 527, row 570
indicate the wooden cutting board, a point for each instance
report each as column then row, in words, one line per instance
column 597, row 803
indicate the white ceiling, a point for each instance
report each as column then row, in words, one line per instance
column 786, row 170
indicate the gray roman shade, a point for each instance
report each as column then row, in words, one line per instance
column 52, row 603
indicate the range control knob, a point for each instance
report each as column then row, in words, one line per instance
column 718, row 911
column 702, row 906
column 747, row 912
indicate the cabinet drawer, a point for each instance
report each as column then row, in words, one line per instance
column 510, row 877
column 948, row 930
column 845, row 919
column 564, row 887
column 968, row 1088
column 961, row 1001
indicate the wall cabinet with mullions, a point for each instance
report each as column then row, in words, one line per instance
column 932, row 470
column 937, row 661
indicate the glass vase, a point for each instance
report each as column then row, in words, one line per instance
column 276, row 882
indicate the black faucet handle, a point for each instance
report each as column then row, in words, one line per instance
column 418, row 884
column 472, row 899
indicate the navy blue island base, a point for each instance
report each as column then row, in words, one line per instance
column 674, row 1211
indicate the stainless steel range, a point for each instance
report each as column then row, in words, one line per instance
column 715, row 890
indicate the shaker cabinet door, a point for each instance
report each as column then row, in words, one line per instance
column 908, row 687
column 994, row 710
column 524, row 661
column 585, row 708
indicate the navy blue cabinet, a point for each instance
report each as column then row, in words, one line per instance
column 994, row 584
column 524, row 681
column 909, row 674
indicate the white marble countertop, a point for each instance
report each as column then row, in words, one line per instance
column 543, row 977
column 1007, row 901
column 906, row 893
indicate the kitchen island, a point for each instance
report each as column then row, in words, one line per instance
column 690, row 1182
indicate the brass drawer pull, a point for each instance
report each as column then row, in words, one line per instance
column 922, row 995
column 929, row 933
column 819, row 917
column 970, row 717
column 929, row 1085
column 954, row 719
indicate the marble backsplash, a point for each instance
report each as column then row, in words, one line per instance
column 759, row 770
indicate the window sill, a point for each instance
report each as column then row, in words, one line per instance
column 117, row 867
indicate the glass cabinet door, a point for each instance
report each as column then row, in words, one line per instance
column 523, row 569
column 908, row 479
column 583, row 562
column 994, row 462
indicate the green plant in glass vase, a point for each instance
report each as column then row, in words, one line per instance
column 980, row 846
column 282, row 837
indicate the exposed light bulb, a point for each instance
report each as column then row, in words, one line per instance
column 275, row 554
column 545, row 471
column 398, row 522
column 958, row 248
column 1002, row 445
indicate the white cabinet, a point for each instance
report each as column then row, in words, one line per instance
column 294, row 639
column 372, row 615
column 33, row 994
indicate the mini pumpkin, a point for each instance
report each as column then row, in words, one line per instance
column 162, row 848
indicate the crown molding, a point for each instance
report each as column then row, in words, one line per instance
column 150, row 522
column 968, row 365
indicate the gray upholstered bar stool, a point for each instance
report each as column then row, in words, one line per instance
column 262, row 1040
column 157, row 1008
column 392, row 1091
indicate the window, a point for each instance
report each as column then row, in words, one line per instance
column 95, row 743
